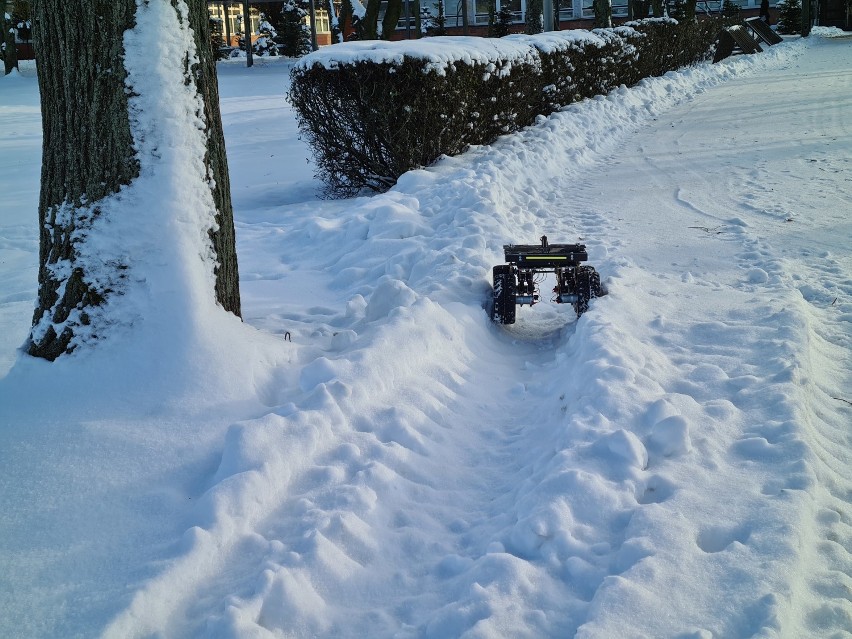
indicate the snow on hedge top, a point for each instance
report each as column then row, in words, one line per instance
column 444, row 51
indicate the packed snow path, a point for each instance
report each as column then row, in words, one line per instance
column 674, row 464
column 543, row 480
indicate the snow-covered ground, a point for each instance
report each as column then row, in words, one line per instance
column 385, row 462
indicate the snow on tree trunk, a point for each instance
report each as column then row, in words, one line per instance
column 135, row 202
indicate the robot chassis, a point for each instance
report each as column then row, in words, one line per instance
column 515, row 283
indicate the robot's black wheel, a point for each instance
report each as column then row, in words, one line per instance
column 588, row 286
column 505, row 293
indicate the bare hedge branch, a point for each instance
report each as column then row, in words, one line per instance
column 368, row 122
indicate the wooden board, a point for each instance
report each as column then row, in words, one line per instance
column 762, row 31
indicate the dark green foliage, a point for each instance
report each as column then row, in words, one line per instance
column 603, row 13
column 505, row 17
column 265, row 43
column 731, row 11
column 671, row 45
column 434, row 25
column 639, row 9
column 535, row 17
column 790, row 16
column 370, row 123
column 677, row 10
column 217, row 39
column 499, row 21
column 294, row 35
column 492, row 20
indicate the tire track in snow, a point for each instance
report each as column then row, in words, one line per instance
column 813, row 268
column 803, row 446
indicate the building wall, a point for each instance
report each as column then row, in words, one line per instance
column 570, row 10
column 834, row 13
column 232, row 11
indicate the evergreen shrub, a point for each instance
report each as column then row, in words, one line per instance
column 790, row 16
column 369, row 122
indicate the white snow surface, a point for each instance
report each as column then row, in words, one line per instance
column 367, row 455
column 445, row 51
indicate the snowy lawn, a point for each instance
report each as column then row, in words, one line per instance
column 370, row 457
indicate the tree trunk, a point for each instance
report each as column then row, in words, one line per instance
column 465, row 17
column 535, row 9
column 638, row 9
column 603, row 13
column 418, row 18
column 371, row 20
column 10, row 51
column 89, row 155
column 393, row 12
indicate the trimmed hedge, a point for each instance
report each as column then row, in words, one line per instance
column 372, row 111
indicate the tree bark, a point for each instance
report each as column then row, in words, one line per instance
column 10, row 52
column 216, row 162
column 371, row 21
column 465, row 17
column 89, row 155
column 393, row 12
column 603, row 13
column 534, row 17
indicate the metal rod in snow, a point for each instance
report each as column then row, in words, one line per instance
column 226, row 10
column 407, row 21
column 547, row 17
column 314, row 45
column 247, row 32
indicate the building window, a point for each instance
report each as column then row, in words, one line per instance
column 566, row 10
column 481, row 10
column 233, row 14
column 321, row 19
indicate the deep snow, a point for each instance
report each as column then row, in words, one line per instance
column 674, row 464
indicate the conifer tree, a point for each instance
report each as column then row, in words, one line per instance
column 492, row 19
column 265, row 42
column 295, row 35
column 217, row 38
column 790, row 16
column 535, row 17
column 434, row 25
column 731, row 11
